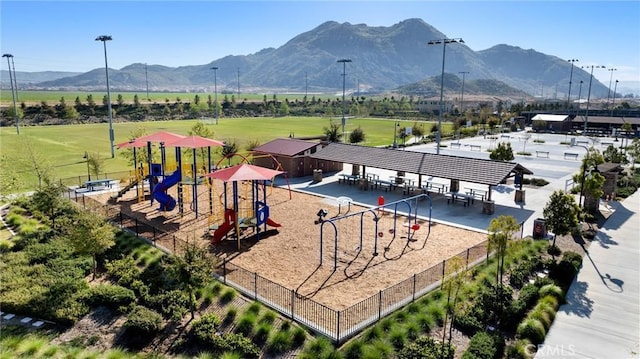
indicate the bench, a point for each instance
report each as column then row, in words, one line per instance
column 570, row 155
column 541, row 153
column 586, row 143
column 350, row 179
column 455, row 144
column 458, row 199
column 475, row 147
column 606, row 144
column 505, row 136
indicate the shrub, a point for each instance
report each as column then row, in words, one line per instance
column 173, row 304
column 111, row 296
column 205, row 328
column 262, row 333
column 427, row 347
column 552, row 290
column 143, row 321
column 231, row 342
column 280, row 342
column 481, row 346
column 231, row 315
column 254, row 308
column 354, row 350
column 532, row 330
column 319, row 348
column 299, row 336
column 269, row 317
column 518, row 350
column 124, row 270
column 398, row 338
column 245, row 324
column 373, row 333
column 227, row 296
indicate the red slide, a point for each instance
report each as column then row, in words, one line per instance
column 271, row 223
column 221, row 232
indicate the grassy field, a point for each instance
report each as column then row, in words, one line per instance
column 63, row 147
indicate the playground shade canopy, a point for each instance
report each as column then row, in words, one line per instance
column 473, row 170
column 161, row 136
column 194, row 142
column 244, row 172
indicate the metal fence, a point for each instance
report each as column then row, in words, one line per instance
column 338, row 325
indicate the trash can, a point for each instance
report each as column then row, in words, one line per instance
column 317, row 175
column 539, row 228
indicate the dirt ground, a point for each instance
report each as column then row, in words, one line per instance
column 290, row 255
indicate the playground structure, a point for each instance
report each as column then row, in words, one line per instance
column 248, row 211
column 375, row 216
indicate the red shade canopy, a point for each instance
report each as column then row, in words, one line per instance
column 161, row 136
column 194, row 142
column 244, row 172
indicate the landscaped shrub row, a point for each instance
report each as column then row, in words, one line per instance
column 485, row 345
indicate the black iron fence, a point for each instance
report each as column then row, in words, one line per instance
column 338, row 325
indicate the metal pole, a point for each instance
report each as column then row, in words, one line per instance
column 462, row 91
column 610, row 79
column 586, row 116
column 344, row 77
column 439, row 134
column 146, row 78
column 104, row 39
column 570, row 80
column 13, row 92
column 613, row 103
column 215, row 91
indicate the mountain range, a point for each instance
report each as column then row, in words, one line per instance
column 382, row 59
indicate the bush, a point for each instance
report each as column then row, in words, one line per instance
column 143, row 321
column 398, row 338
column 262, row 333
column 532, row 330
column 299, row 336
column 552, row 290
column 427, row 347
column 231, row 315
column 124, row 270
column 231, row 342
column 481, row 346
column 245, row 324
column 518, row 350
column 227, row 296
column 280, row 342
column 205, row 328
column 111, row 296
column 173, row 304
column 354, row 350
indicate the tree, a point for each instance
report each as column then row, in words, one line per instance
column 95, row 163
column 120, row 100
column 590, row 179
column 332, row 133
column 561, row 214
column 526, row 138
column 229, row 150
column 634, row 151
column 141, row 153
column 456, row 274
column 502, row 152
column 357, row 135
column 417, row 131
column 192, row 270
column 614, row 155
column 136, row 100
column 90, row 234
column 9, row 179
column 284, row 109
column 501, row 229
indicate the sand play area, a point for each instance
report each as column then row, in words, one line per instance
column 376, row 249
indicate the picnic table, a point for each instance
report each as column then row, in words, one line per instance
column 453, row 197
column 386, row 185
column 350, row 179
column 434, row 187
column 97, row 184
column 476, row 193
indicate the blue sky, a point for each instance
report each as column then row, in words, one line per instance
column 59, row 35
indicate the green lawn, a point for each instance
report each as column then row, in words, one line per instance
column 63, row 147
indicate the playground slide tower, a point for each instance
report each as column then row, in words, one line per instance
column 167, row 203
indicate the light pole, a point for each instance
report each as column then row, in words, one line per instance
column 306, row 86
column 14, row 91
column 570, row 80
column 444, row 43
column 610, row 78
column 146, row 79
column 344, row 78
column 238, row 84
column 395, row 134
column 586, row 115
column 104, row 39
column 86, row 157
column 215, row 91
column 613, row 103
column 462, row 91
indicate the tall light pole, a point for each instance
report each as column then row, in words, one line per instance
column 444, row 43
column 104, row 39
column 344, row 77
column 215, row 91
column 462, row 91
column 146, row 79
column 14, row 90
column 306, row 86
column 613, row 103
column 570, row 80
column 586, row 116
column 610, row 78
column 238, row 84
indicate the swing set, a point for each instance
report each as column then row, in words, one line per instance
column 376, row 214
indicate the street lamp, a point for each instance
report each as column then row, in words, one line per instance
column 395, row 134
column 344, row 77
column 444, row 43
column 14, row 90
column 570, row 80
column 215, row 91
column 462, row 91
column 586, row 116
column 613, row 103
column 610, row 78
column 104, row 39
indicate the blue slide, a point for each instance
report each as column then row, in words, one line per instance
column 167, row 203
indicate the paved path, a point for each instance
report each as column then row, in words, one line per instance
column 601, row 318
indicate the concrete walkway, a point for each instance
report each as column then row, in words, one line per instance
column 601, row 318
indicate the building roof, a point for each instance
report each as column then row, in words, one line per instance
column 619, row 121
column 549, row 118
column 286, row 147
column 466, row 169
